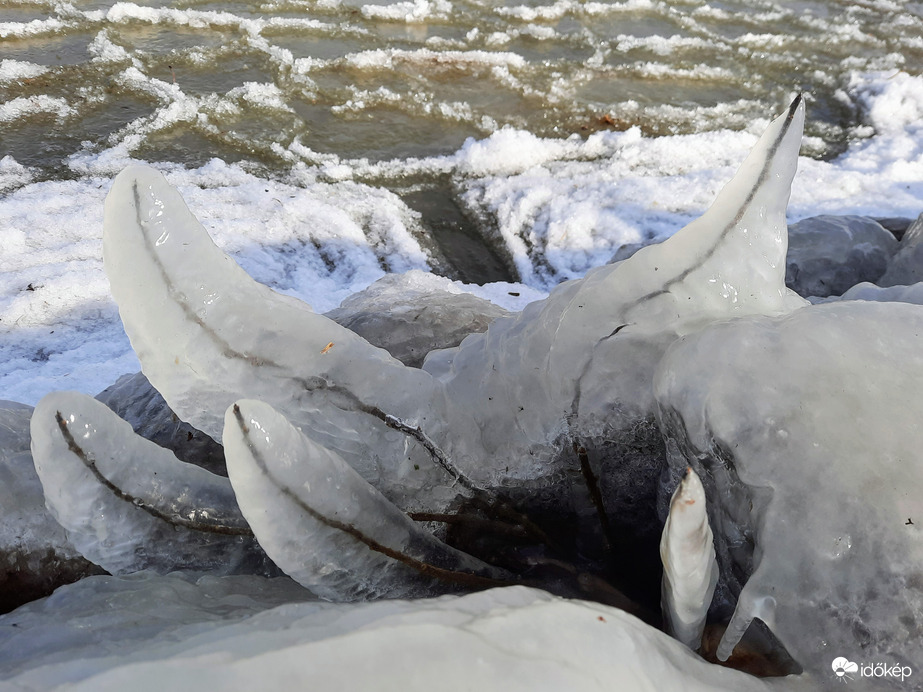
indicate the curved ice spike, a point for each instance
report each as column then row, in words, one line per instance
column 207, row 334
column 747, row 218
column 579, row 363
column 325, row 526
column 690, row 571
column 128, row 504
column 750, row 605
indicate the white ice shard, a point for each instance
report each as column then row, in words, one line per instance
column 806, row 433
column 128, row 504
column 690, row 571
column 325, row 526
column 233, row 633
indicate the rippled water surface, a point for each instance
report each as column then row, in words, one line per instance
column 275, row 83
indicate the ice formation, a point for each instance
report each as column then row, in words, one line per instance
column 243, row 633
column 128, row 504
column 690, row 571
column 133, row 399
column 557, row 411
column 561, row 376
column 325, row 526
column 807, row 429
column 207, row 335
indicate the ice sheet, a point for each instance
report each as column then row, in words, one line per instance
column 231, row 633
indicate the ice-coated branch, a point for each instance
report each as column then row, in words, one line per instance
column 207, row 334
column 128, row 504
column 196, row 520
column 690, row 571
column 327, row 527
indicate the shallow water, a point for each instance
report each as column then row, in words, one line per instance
column 282, row 81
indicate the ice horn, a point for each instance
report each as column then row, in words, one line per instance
column 702, row 261
column 207, row 334
column 690, row 571
column 128, row 504
column 594, row 341
column 327, row 527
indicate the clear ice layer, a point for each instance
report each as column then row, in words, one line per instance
column 325, row 526
column 128, row 504
column 806, row 433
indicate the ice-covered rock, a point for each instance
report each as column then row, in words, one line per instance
column 102, row 621
column 690, row 571
column 134, row 399
column 806, row 433
column 906, row 267
column 414, row 313
column 829, row 254
column 893, row 294
column 164, row 632
column 325, row 526
column 35, row 555
column 898, row 225
column 128, row 504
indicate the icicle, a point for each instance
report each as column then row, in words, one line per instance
column 690, row 571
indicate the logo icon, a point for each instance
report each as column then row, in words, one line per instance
column 842, row 667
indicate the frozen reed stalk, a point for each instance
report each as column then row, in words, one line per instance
column 690, row 571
